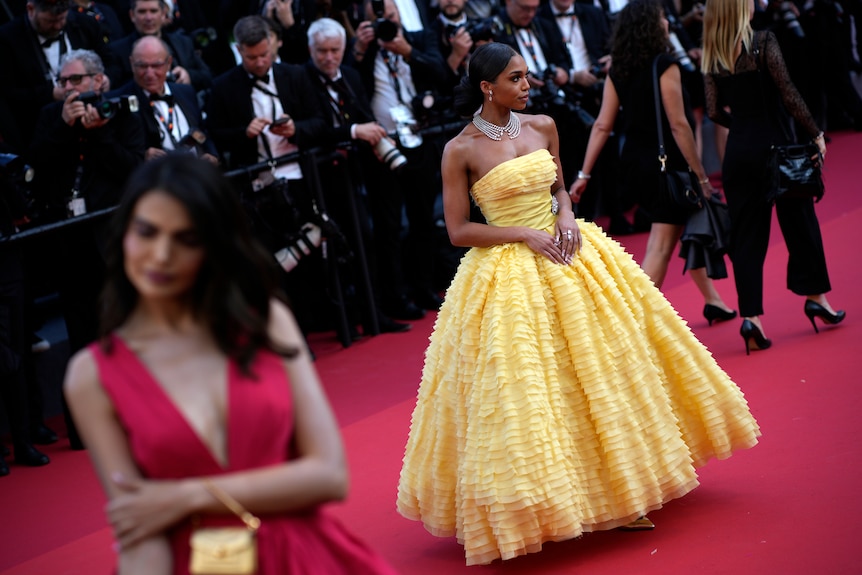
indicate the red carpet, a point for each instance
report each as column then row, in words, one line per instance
column 787, row 506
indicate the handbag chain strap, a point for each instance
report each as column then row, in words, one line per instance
column 252, row 522
column 662, row 155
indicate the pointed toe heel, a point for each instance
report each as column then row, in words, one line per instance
column 714, row 313
column 754, row 338
column 813, row 309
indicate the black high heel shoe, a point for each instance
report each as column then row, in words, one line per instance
column 754, row 338
column 714, row 313
column 814, row 309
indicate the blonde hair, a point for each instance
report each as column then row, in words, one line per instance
column 726, row 23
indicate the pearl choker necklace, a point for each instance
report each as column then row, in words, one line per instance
column 495, row 132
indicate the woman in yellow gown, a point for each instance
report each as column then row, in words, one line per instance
column 561, row 392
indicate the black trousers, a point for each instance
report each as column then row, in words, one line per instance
column 751, row 218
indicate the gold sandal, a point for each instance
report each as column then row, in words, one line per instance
column 642, row 523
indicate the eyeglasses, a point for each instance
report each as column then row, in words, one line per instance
column 74, row 79
column 152, row 66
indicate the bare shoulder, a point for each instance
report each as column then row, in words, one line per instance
column 283, row 329
column 456, row 147
column 82, row 375
column 538, row 122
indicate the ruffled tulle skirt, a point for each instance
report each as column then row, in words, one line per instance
column 560, row 399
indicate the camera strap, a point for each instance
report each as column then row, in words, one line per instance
column 262, row 136
column 392, row 65
column 167, row 123
column 338, row 86
column 527, row 41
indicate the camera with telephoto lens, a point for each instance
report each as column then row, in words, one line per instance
column 679, row 53
column 109, row 107
column 480, row 30
column 384, row 29
column 552, row 100
column 388, row 153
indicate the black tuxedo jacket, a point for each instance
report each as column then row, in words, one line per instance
column 356, row 105
column 182, row 49
column 594, row 27
column 110, row 153
column 438, row 29
column 427, row 67
column 547, row 34
column 229, row 110
column 25, row 76
column 185, row 98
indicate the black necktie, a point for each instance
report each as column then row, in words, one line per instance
column 167, row 98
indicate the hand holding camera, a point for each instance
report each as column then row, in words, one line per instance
column 461, row 43
column 370, row 132
column 77, row 110
column 181, row 75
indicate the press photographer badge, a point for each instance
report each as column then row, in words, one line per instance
column 76, row 206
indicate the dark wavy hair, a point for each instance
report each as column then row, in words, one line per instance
column 638, row 38
column 235, row 285
column 486, row 63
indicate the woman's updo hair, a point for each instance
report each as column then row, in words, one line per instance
column 486, row 63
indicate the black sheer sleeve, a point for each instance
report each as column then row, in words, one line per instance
column 789, row 94
column 714, row 109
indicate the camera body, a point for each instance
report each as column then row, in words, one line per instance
column 109, row 107
column 480, row 29
column 384, row 29
column 552, row 100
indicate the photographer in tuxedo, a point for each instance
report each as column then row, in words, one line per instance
column 170, row 116
column 33, row 45
column 83, row 150
column 259, row 111
column 395, row 66
column 371, row 160
column 150, row 17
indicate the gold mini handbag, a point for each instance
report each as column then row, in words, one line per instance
column 225, row 550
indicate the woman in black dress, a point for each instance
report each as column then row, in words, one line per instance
column 749, row 91
column 640, row 35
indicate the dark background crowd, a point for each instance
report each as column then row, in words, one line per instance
column 329, row 117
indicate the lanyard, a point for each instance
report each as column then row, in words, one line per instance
column 167, row 123
column 392, row 64
column 570, row 18
column 528, row 44
column 262, row 137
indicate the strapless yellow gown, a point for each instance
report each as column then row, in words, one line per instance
column 557, row 399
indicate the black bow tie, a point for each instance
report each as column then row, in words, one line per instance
column 565, row 14
column 167, row 98
column 262, row 79
column 49, row 41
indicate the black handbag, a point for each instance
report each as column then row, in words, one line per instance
column 679, row 187
column 796, row 172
